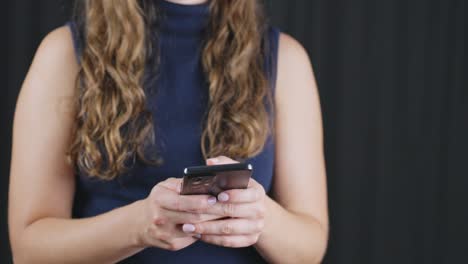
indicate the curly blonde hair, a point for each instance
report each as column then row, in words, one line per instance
column 113, row 124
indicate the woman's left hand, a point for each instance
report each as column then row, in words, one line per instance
column 244, row 210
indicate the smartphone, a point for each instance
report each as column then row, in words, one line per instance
column 216, row 178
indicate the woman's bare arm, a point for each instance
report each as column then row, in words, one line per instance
column 42, row 183
column 293, row 228
column 296, row 224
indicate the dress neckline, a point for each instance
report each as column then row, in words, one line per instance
column 183, row 19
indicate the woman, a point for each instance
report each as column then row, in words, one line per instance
column 119, row 101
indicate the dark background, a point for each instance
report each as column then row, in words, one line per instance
column 392, row 76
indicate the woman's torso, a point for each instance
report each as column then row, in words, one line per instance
column 178, row 107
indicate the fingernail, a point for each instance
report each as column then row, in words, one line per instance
column 188, row 228
column 198, row 236
column 223, row 197
column 211, row 200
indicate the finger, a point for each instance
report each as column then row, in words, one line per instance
column 173, row 184
column 238, row 210
column 172, row 244
column 176, row 231
column 166, row 232
column 178, row 243
column 178, row 217
column 248, row 195
column 220, row 160
column 230, row 241
column 254, row 184
column 187, row 203
column 181, row 243
column 228, row 227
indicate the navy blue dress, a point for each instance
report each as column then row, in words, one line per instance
column 178, row 108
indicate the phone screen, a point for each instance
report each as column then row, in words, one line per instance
column 215, row 179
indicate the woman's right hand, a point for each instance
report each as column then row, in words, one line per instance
column 164, row 213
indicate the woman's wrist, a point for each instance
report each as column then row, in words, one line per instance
column 271, row 214
column 136, row 216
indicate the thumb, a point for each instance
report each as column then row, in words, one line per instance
column 220, row 160
column 173, row 184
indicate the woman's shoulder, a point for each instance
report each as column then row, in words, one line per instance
column 57, row 40
column 53, row 67
column 285, row 54
column 291, row 53
column 284, row 41
column 291, row 47
column 56, row 47
column 295, row 72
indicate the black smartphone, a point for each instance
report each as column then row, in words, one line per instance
column 214, row 179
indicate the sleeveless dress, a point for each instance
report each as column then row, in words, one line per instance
column 177, row 108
